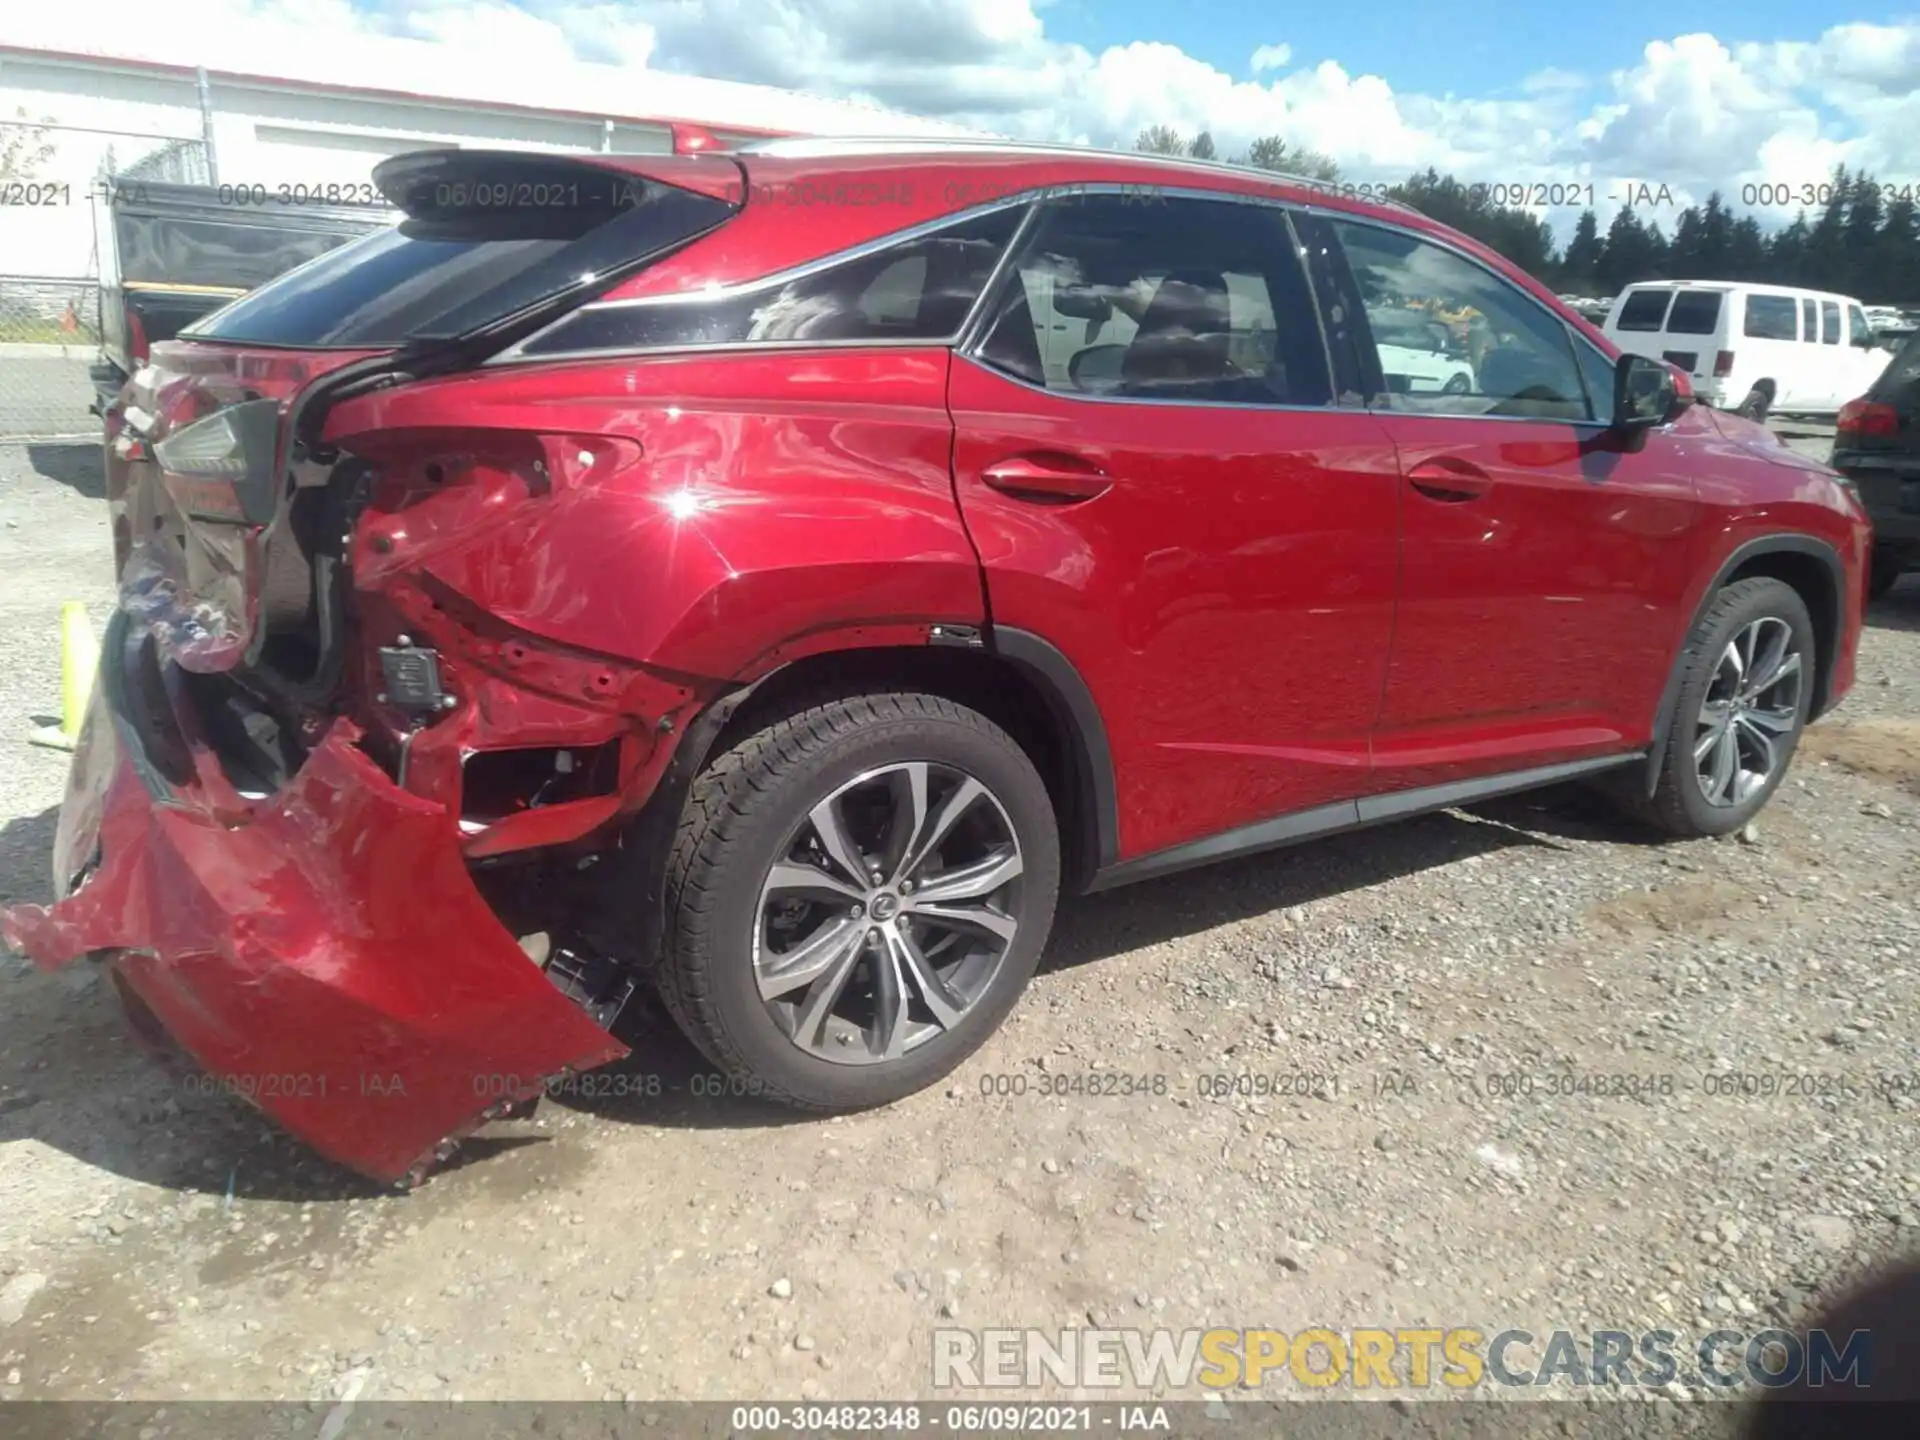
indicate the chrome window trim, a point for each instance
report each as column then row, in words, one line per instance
column 741, row 288
column 649, row 352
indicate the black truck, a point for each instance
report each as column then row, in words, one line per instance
column 170, row 254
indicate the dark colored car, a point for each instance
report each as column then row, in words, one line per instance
column 723, row 573
column 1876, row 445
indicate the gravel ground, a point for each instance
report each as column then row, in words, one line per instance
column 157, row 1243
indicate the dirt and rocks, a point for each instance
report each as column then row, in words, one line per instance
column 1407, row 1007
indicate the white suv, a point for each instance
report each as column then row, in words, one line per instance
column 1754, row 348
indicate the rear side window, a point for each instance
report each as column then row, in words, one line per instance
column 1772, row 317
column 470, row 252
column 1829, row 322
column 916, row 290
column 1202, row 301
column 1643, row 310
column 1809, row 322
column 1694, row 312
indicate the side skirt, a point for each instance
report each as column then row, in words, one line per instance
column 1301, row 825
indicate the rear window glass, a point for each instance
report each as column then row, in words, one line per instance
column 1643, row 310
column 460, row 263
column 1694, row 312
column 919, row 289
column 1772, row 317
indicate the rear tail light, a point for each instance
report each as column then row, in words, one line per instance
column 136, row 338
column 1723, row 365
column 226, row 461
column 1868, row 417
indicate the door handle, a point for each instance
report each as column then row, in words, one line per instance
column 1046, row 481
column 1449, row 480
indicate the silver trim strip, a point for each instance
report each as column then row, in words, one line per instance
column 649, row 352
column 834, row 147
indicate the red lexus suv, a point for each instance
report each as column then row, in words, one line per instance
column 776, row 576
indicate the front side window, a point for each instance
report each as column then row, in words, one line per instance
column 917, row 290
column 1829, row 322
column 1861, row 333
column 1644, row 311
column 1503, row 352
column 1772, row 317
column 1203, row 301
column 1694, row 312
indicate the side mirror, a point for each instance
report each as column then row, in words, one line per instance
column 1646, row 393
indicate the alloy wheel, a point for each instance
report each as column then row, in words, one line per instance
column 1750, row 712
column 887, row 913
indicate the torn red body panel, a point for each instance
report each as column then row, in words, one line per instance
column 329, row 957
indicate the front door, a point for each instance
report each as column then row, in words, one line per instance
column 1543, row 565
column 1184, row 515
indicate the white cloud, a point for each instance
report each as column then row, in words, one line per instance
column 1271, row 57
column 1694, row 113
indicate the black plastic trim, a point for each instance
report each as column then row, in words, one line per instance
column 1079, row 715
column 1347, row 815
column 1829, row 643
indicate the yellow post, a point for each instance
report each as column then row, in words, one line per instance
column 79, row 659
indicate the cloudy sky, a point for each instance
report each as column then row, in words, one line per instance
column 1613, row 95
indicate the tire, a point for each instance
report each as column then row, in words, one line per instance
column 1456, row 385
column 1755, row 406
column 730, row 918
column 1766, row 609
column 1888, row 566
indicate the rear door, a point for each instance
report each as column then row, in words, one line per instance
column 1187, row 518
column 1543, row 565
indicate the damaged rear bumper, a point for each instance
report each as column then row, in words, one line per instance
column 324, row 952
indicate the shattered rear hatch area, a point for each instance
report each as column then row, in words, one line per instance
column 325, row 952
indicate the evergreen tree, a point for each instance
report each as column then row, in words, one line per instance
column 1579, row 272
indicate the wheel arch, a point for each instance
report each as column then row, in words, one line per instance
column 1814, row 569
column 1016, row 679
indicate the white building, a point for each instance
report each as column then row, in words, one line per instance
column 207, row 114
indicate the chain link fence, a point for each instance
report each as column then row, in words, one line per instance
column 50, row 321
column 49, row 335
